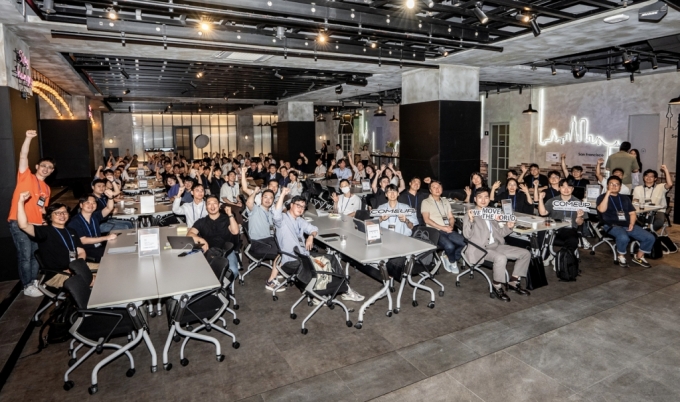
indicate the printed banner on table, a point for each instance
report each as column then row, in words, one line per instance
column 494, row 214
column 571, row 205
column 393, row 212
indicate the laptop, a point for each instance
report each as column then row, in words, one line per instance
column 182, row 243
column 316, row 212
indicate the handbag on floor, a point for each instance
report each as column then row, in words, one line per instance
column 536, row 277
column 667, row 245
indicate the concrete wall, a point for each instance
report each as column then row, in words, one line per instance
column 8, row 43
column 118, row 128
column 244, row 126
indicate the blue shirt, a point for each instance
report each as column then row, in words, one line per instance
column 174, row 190
column 343, row 173
column 259, row 221
column 615, row 204
column 290, row 233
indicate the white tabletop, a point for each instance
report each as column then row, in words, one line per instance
column 638, row 210
column 161, row 209
column 178, row 275
column 123, row 278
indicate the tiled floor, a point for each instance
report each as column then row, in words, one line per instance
column 613, row 335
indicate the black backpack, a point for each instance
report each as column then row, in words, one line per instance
column 667, row 245
column 57, row 325
column 566, row 265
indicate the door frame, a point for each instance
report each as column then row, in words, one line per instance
column 191, row 141
column 492, row 162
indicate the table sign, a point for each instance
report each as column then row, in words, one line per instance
column 147, row 204
column 592, row 191
column 372, row 232
column 142, row 183
column 571, row 205
column 506, row 206
column 366, row 185
column 149, row 242
column 494, row 214
column 393, row 212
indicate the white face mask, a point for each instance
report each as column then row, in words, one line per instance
column 344, row 190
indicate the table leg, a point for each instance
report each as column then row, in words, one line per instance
column 384, row 290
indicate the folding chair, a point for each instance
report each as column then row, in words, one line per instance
column 54, row 296
column 256, row 259
column 424, row 266
column 475, row 266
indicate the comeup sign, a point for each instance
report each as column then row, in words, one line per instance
column 570, row 205
column 393, row 212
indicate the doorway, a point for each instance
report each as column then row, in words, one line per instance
column 643, row 134
column 183, row 142
column 500, row 152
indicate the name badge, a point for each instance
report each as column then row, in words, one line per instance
column 622, row 216
column 97, row 245
column 72, row 256
column 568, row 220
column 271, row 230
column 446, row 221
column 391, row 227
column 41, row 201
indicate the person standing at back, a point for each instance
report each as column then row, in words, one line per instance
column 338, row 153
column 625, row 161
column 35, row 208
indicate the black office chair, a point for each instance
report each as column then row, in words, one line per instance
column 306, row 279
column 257, row 259
column 602, row 236
column 96, row 327
column 54, row 296
column 475, row 266
column 204, row 308
column 362, row 215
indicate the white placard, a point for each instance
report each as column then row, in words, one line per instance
column 393, row 212
column 552, row 156
column 506, row 206
column 366, row 185
column 148, row 241
column 493, row 214
column 571, row 205
column 372, row 232
column 592, row 191
column 147, row 204
column 142, row 183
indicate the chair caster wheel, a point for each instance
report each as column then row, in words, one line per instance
column 235, row 345
column 154, row 369
column 130, row 373
column 176, row 338
column 71, row 362
column 38, row 323
column 348, row 323
column 293, row 316
column 93, row 390
column 68, row 385
column 304, row 331
column 240, row 282
column 415, row 303
column 441, row 293
column 236, row 321
column 358, row 325
column 592, row 252
column 392, row 289
column 184, row 362
column 189, row 328
column 236, row 306
column 457, row 284
column 492, row 295
column 159, row 313
column 430, row 305
column 275, row 298
column 310, row 304
column 395, row 311
column 70, row 352
column 220, row 358
column 389, row 313
column 167, row 367
column 152, row 314
column 331, row 306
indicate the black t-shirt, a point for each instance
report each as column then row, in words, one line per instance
column 618, row 203
column 550, row 193
column 414, row 201
column 83, row 228
column 216, row 186
column 579, row 186
column 542, row 180
column 101, row 202
column 380, row 197
column 302, row 167
column 54, row 245
column 215, row 231
column 519, row 202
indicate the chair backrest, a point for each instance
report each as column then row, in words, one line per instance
column 80, row 268
column 426, row 234
column 362, row 215
column 306, row 271
column 79, row 291
column 219, row 266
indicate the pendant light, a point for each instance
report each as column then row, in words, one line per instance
column 356, row 114
column 320, row 118
column 380, row 111
column 530, row 110
column 394, row 119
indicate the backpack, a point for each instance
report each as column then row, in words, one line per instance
column 566, row 265
column 57, row 325
column 667, row 245
column 657, row 248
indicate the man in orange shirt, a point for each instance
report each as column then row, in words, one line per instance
column 35, row 208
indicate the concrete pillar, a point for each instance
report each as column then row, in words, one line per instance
column 295, row 132
column 439, row 124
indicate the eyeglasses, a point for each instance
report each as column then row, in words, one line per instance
column 614, row 184
column 62, row 213
column 48, row 167
column 299, row 205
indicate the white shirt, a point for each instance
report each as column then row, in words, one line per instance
column 226, row 168
column 488, row 224
column 656, row 194
column 320, row 170
column 295, row 188
column 339, row 155
column 348, row 205
column 624, row 189
column 191, row 211
column 359, row 174
column 229, row 192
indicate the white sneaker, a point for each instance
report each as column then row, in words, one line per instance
column 446, row 263
column 622, row 261
column 271, row 285
column 546, row 262
column 32, row 291
column 454, row 267
column 351, row 295
column 585, row 244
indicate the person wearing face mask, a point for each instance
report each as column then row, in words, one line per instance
column 346, row 204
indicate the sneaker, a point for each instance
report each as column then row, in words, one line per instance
column 454, row 268
column 546, row 262
column 351, row 295
column 641, row 262
column 32, row 291
column 622, row 261
column 585, row 244
column 271, row 285
column 446, row 263
column 316, row 302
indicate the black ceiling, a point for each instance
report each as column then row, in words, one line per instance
column 168, row 107
column 382, row 29
column 112, row 76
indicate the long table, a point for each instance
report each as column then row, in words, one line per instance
column 161, row 209
column 393, row 245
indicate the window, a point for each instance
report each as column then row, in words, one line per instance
column 262, row 133
column 500, row 151
column 153, row 131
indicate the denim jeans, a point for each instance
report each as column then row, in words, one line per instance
column 233, row 263
column 26, row 248
column 115, row 224
column 452, row 243
column 623, row 237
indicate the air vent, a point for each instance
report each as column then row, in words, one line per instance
column 243, row 57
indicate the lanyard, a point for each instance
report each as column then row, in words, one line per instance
column 552, row 193
column 87, row 225
column 101, row 199
column 440, row 212
column 577, row 183
column 193, row 211
column 297, row 230
column 645, row 191
column 409, row 200
column 346, row 204
column 39, row 186
column 64, row 240
column 620, row 203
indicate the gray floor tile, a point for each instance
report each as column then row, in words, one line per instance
column 662, row 275
column 660, row 302
column 379, row 375
column 616, row 292
column 438, row 355
column 311, row 389
column 433, row 389
column 501, row 377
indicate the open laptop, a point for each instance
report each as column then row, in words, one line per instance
column 182, row 243
column 312, row 210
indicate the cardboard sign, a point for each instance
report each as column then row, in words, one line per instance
column 494, row 214
column 571, row 205
column 393, row 212
column 372, row 232
column 149, row 242
column 147, row 204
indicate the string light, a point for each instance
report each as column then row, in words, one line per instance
column 37, row 85
column 48, row 100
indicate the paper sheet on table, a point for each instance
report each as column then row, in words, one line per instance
column 122, row 250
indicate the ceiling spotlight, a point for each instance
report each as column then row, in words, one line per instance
column 310, row 87
column 479, row 13
column 125, row 74
column 632, row 77
column 321, row 38
column 553, row 69
column 633, row 64
column 520, row 90
column 655, row 64
column 277, row 75
column 352, row 14
column 410, row 4
column 374, row 45
column 394, row 119
column 609, row 74
column 336, row 115
column 430, row 3
column 199, row 74
column 127, row 91
column 338, row 89
column 313, row 8
column 579, row 71
column 626, row 58
column 522, row 17
column 170, row 106
column 48, row 7
column 675, row 101
column 113, row 14
column 356, row 114
column 251, row 86
column 205, row 26
column 199, row 108
column 535, row 28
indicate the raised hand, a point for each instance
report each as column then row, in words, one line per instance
column 523, row 188
column 382, row 167
column 227, row 209
column 563, row 156
column 664, row 168
column 468, row 191
column 31, row 134
column 580, row 213
column 470, row 215
column 496, row 185
column 256, row 190
column 24, row 196
column 427, row 180
column 600, row 161
column 334, row 196
column 108, row 193
column 523, row 168
column 541, row 196
column 285, row 191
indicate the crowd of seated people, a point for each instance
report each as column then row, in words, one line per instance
column 215, row 195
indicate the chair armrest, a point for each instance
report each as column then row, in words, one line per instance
column 333, row 274
column 104, row 313
column 478, row 247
